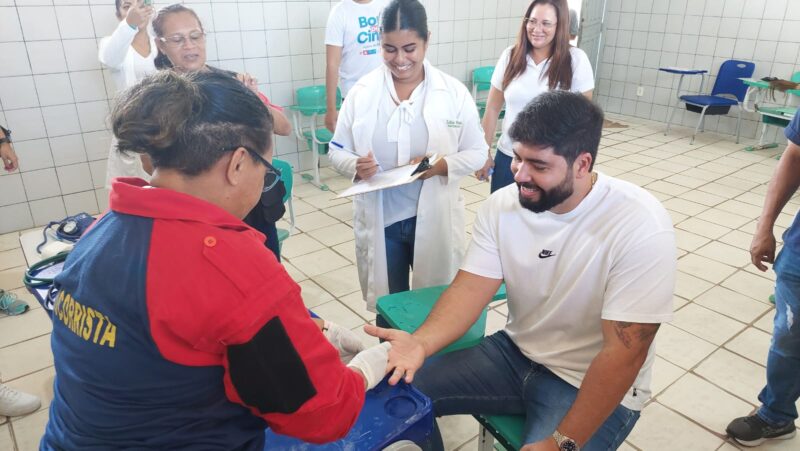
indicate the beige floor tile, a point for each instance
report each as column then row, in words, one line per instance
column 733, row 373
column 300, row 244
column 340, row 282
column 304, row 189
column 705, row 198
column 319, row 262
column 724, row 218
column 769, row 274
column 689, row 287
column 680, row 347
column 11, row 278
column 732, row 304
column 301, row 208
column 338, row 184
column 31, row 324
column 355, row 302
column 684, row 206
column 314, row 221
column 713, row 166
column 39, row 383
column 626, row 447
column 703, row 228
column 765, row 323
column 325, row 200
column 686, row 181
column 750, row 198
column 622, row 165
column 313, row 295
column 739, row 239
column 342, row 212
column 740, row 208
column 689, row 241
column 494, row 322
column 725, row 253
column 751, row 285
column 9, row 241
column 660, row 428
column 29, row 430
column 25, row 358
column 6, row 443
column 703, row 402
column 457, row 430
column 664, row 375
column 666, row 188
column 636, row 179
column 752, row 344
column 705, row 268
column 12, row 258
column 347, row 250
column 677, row 217
column 294, row 273
column 728, row 187
column 695, row 320
column 336, row 312
column 333, row 235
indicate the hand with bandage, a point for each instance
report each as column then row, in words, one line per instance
column 372, row 364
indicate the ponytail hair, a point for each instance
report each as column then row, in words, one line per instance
column 405, row 15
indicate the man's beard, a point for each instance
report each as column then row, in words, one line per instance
column 550, row 198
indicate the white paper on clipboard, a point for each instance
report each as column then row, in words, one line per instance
column 387, row 179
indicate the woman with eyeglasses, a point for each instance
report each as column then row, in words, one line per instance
column 181, row 42
column 395, row 115
column 173, row 328
column 541, row 60
column 129, row 53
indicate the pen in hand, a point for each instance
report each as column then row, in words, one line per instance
column 366, row 166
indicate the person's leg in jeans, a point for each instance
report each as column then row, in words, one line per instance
column 502, row 175
column 399, row 239
column 496, row 378
column 779, row 396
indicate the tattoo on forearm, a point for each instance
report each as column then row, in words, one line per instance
column 635, row 333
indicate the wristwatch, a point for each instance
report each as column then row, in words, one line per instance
column 7, row 137
column 565, row 443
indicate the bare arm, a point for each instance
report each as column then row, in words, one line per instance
column 609, row 377
column 454, row 313
column 333, row 58
column 782, row 186
column 281, row 125
column 494, row 104
column 7, row 155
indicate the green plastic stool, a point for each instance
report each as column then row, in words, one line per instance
column 311, row 102
column 506, row 429
column 288, row 181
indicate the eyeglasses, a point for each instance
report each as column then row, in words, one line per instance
column 544, row 25
column 178, row 40
column 273, row 174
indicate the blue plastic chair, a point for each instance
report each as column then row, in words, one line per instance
column 728, row 91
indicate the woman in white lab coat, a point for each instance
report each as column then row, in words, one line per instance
column 394, row 115
column 129, row 53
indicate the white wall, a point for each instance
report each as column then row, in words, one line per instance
column 55, row 96
column 643, row 35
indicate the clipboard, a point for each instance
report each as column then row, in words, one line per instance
column 393, row 177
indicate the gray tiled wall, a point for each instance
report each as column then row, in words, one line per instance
column 56, row 97
column 643, row 35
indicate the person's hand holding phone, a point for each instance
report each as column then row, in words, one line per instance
column 140, row 13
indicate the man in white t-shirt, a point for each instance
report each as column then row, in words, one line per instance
column 589, row 265
column 352, row 43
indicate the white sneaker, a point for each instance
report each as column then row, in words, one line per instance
column 14, row 403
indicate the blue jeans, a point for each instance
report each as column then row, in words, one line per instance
column 495, row 378
column 783, row 363
column 400, row 253
column 502, row 175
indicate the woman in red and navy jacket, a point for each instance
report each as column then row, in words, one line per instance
column 174, row 327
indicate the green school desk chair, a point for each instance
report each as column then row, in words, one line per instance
column 409, row 309
column 778, row 116
column 288, row 181
column 311, row 102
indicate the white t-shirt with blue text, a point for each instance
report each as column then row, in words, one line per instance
column 355, row 27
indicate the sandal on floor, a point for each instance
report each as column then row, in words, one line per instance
column 11, row 304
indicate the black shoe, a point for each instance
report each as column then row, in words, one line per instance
column 753, row 431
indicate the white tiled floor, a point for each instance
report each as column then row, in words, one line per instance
column 711, row 359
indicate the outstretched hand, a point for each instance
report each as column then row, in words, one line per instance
column 406, row 355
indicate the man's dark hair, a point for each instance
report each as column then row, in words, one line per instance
column 566, row 121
